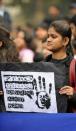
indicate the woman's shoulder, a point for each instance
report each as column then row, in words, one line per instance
column 48, row 58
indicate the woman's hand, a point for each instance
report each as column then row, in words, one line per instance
column 1, row 93
column 68, row 90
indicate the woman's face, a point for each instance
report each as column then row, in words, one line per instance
column 20, row 34
column 55, row 40
column 19, row 41
column 41, row 33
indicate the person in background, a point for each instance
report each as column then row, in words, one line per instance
column 74, row 47
column 23, row 43
column 8, row 54
column 54, row 13
column 72, row 77
column 59, row 38
column 73, row 27
column 40, row 35
column 40, row 42
column 7, row 21
column 72, row 9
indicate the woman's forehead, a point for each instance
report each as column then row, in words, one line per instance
column 52, row 30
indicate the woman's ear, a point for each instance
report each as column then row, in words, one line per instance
column 1, row 43
column 66, row 41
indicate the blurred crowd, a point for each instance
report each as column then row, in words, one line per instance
column 31, row 44
column 32, row 40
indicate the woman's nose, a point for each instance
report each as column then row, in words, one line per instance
column 49, row 39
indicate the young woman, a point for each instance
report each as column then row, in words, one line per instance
column 23, row 43
column 59, row 36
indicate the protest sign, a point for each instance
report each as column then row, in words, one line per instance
column 29, row 91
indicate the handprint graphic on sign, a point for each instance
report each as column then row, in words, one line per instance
column 43, row 98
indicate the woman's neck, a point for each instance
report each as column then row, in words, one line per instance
column 59, row 55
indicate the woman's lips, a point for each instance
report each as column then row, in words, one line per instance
column 49, row 44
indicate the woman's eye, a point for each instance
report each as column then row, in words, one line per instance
column 48, row 36
column 53, row 36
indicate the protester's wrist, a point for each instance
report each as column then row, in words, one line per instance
column 1, row 93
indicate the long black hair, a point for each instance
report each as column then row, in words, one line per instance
column 8, row 52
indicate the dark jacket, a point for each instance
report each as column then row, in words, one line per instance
column 61, row 79
column 59, row 67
